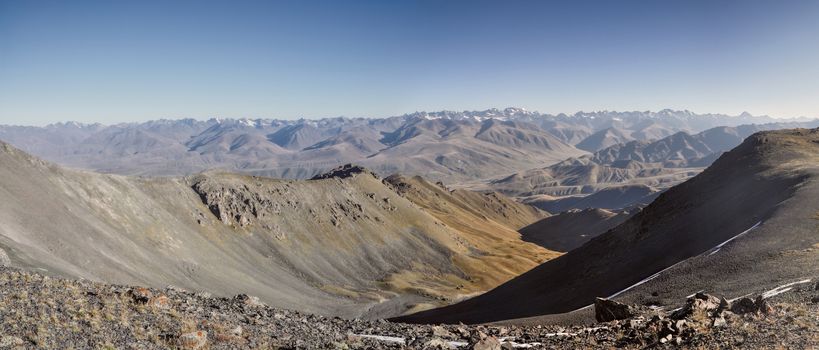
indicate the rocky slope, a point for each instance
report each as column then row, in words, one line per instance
column 43, row 312
column 343, row 244
column 747, row 223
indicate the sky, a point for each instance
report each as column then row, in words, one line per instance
column 118, row 61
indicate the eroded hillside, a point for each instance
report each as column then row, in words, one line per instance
column 343, row 245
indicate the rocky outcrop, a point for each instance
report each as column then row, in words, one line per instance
column 237, row 206
column 701, row 303
column 606, row 310
column 746, row 305
column 343, row 172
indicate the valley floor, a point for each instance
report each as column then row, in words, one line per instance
column 43, row 312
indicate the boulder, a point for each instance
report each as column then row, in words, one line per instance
column 249, row 300
column 746, row 305
column 606, row 310
column 743, row 306
column 141, row 295
column 701, row 302
column 436, row 343
column 488, row 343
column 442, row 332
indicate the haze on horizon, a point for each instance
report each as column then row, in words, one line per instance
column 116, row 62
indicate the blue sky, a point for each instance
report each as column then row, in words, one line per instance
column 114, row 61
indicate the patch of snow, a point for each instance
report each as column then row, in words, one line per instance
column 695, row 293
column 585, row 307
column 460, row 344
column 718, row 247
column 388, row 339
column 649, row 278
column 783, row 288
column 524, row 345
column 713, row 251
column 739, row 297
column 403, row 341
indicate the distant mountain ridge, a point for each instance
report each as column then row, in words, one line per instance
column 628, row 173
column 446, row 145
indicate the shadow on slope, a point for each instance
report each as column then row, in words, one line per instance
column 770, row 175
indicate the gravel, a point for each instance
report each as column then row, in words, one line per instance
column 37, row 311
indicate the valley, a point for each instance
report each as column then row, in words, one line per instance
column 347, row 244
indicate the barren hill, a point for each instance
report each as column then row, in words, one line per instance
column 746, row 223
column 346, row 244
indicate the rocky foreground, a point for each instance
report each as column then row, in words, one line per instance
column 37, row 311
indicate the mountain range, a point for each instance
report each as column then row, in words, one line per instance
column 450, row 146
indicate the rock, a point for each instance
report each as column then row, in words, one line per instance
column 203, row 294
column 141, row 295
column 762, row 305
column 436, row 343
column 666, row 329
column 249, row 300
column 442, row 332
column 488, row 343
column 343, row 172
column 705, row 302
column 700, row 302
column 719, row 321
column 159, row 302
column 503, row 331
column 9, row 341
column 174, row 289
column 606, row 310
column 743, row 306
column 634, row 323
column 746, row 305
column 193, row 340
column 679, row 325
column 463, row 331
